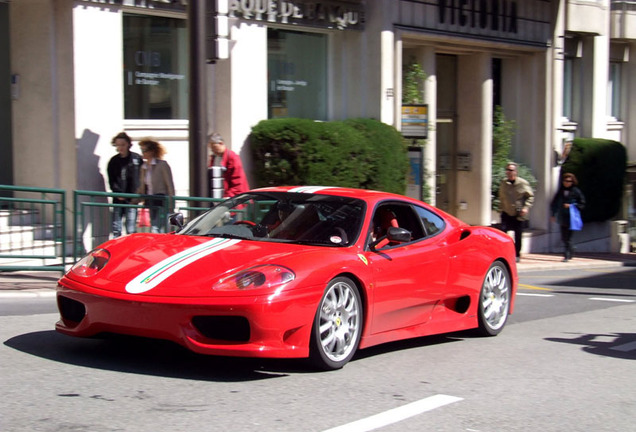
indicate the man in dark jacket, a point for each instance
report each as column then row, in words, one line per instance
column 123, row 177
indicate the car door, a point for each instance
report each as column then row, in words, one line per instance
column 408, row 278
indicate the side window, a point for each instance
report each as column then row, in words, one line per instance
column 431, row 222
column 396, row 215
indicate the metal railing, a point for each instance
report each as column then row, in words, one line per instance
column 92, row 222
column 32, row 229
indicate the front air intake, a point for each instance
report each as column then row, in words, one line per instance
column 71, row 311
column 225, row 328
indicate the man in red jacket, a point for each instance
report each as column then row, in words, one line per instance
column 234, row 180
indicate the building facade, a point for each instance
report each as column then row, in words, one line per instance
column 78, row 72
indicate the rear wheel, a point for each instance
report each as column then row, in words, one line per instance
column 337, row 325
column 494, row 301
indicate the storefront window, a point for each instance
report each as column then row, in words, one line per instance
column 297, row 68
column 155, row 68
column 573, row 83
column 614, row 90
column 567, row 88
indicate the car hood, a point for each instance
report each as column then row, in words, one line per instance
column 182, row 266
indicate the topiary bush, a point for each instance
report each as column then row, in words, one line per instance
column 276, row 150
column 337, row 155
column 359, row 153
column 599, row 165
column 388, row 161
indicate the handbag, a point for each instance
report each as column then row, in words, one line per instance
column 576, row 223
column 144, row 217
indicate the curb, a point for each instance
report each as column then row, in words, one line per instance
column 40, row 293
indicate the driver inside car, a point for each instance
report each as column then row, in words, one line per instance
column 383, row 219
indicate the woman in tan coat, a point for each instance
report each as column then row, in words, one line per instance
column 156, row 179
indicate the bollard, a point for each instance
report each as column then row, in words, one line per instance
column 619, row 238
column 215, row 173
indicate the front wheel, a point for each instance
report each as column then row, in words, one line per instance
column 337, row 325
column 494, row 300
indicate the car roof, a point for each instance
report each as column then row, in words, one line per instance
column 364, row 194
column 372, row 197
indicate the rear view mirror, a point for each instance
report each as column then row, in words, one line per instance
column 176, row 219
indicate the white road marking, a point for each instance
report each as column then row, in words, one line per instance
column 535, row 295
column 611, row 299
column 631, row 346
column 396, row 414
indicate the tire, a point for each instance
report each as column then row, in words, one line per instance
column 494, row 300
column 337, row 325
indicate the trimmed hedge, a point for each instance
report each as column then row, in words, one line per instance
column 359, row 153
column 599, row 165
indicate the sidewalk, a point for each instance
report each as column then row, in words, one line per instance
column 531, row 262
column 24, row 284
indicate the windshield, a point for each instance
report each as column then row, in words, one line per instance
column 283, row 217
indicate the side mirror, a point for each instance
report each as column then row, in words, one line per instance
column 398, row 235
column 176, row 219
column 394, row 235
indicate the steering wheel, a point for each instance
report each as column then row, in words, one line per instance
column 244, row 222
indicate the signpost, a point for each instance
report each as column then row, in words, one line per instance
column 415, row 126
column 415, row 121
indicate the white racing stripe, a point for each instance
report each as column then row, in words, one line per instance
column 309, row 189
column 396, row 414
column 169, row 266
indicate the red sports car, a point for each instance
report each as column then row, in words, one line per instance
column 312, row 272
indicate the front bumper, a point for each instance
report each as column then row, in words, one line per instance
column 245, row 326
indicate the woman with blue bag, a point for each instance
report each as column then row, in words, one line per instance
column 565, row 208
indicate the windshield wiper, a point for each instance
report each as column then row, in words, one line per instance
column 316, row 243
column 228, row 236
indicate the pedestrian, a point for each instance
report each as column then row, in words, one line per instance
column 123, row 177
column 234, row 179
column 568, row 194
column 516, row 198
column 156, row 179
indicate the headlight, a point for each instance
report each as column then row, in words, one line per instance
column 91, row 263
column 263, row 276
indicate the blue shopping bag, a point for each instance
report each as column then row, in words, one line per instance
column 576, row 223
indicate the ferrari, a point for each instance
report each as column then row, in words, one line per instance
column 296, row 272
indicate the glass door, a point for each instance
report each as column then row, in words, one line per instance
column 445, row 178
column 446, row 130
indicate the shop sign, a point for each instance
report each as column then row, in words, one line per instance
column 324, row 14
column 415, row 121
column 516, row 21
column 341, row 14
column 493, row 15
column 165, row 5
